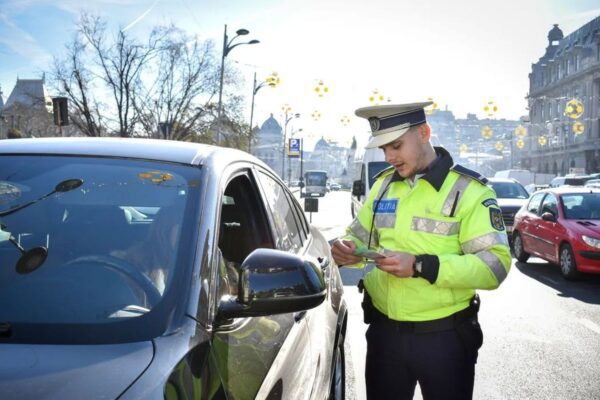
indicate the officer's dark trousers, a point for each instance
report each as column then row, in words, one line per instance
column 397, row 359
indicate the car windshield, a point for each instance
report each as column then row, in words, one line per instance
column 581, row 205
column 114, row 238
column 509, row 190
column 376, row 167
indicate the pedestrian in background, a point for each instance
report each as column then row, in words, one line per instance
column 441, row 234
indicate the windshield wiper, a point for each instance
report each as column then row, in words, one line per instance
column 32, row 259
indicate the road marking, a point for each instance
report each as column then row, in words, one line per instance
column 589, row 324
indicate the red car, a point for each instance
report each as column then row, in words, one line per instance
column 562, row 226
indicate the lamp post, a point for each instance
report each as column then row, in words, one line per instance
column 287, row 109
column 272, row 81
column 227, row 47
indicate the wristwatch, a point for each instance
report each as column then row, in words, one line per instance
column 417, row 266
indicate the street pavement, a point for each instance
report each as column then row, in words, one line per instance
column 542, row 333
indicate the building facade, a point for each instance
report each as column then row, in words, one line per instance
column 28, row 109
column 560, row 141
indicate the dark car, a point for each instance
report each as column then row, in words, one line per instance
column 511, row 196
column 562, row 226
column 149, row 269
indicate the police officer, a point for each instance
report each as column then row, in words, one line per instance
column 441, row 234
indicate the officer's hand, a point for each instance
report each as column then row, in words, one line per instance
column 343, row 252
column 395, row 263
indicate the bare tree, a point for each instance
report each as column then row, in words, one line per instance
column 72, row 78
column 121, row 64
column 184, row 83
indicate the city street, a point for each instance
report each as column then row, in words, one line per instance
column 542, row 333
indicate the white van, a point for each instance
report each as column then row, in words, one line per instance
column 368, row 163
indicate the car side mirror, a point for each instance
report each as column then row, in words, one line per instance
column 358, row 188
column 548, row 216
column 274, row 282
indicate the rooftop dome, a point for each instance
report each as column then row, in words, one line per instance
column 322, row 145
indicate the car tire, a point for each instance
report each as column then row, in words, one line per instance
column 568, row 266
column 338, row 379
column 518, row 249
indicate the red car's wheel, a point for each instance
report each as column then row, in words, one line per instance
column 568, row 267
column 520, row 253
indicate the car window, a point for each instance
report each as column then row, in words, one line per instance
column 288, row 233
column 534, row 203
column 581, row 205
column 115, row 241
column 550, row 205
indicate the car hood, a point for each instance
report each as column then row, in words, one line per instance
column 71, row 371
column 584, row 226
column 511, row 203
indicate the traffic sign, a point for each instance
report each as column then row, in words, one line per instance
column 294, row 147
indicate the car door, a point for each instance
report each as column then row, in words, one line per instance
column 262, row 356
column 528, row 228
column 547, row 230
column 293, row 237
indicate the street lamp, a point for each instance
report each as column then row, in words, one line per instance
column 286, row 109
column 272, row 81
column 227, row 47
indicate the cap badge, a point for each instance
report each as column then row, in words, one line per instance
column 374, row 121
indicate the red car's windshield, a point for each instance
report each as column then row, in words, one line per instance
column 581, row 205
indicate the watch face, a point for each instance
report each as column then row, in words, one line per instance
column 419, row 265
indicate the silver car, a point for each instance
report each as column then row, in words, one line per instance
column 147, row 269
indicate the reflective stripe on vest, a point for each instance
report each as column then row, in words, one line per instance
column 455, row 194
column 384, row 220
column 433, row 226
column 494, row 264
column 484, row 242
column 359, row 231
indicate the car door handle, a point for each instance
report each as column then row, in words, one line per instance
column 323, row 262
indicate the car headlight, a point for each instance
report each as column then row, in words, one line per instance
column 591, row 241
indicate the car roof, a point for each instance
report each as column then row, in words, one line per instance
column 139, row 148
column 507, row 180
column 570, row 189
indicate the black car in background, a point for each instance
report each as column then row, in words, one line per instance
column 143, row 269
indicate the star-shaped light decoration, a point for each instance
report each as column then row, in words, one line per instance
column 574, row 109
column 578, row 128
column 490, row 109
column 542, row 140
column 487, row 132
column 463, row 148
column 316, row 115
column 273, row 80
column 520, row 131
column 321, row 89
column 499, row 146
column 520, row 143
column 345, row 120
column 376, row 97
column 432, row 108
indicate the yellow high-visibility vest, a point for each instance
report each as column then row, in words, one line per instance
column 455, row 218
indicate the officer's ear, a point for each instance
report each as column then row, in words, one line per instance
column 424, row 132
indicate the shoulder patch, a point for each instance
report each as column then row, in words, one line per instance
column 496, row 219
column 469, row 173
column 490, row 202
column 384, row 172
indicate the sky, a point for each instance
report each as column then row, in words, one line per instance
column 462, row 53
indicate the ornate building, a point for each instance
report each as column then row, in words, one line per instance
column 562, row 140
column 327, row 156
column 268, row 145
column 28, row 109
